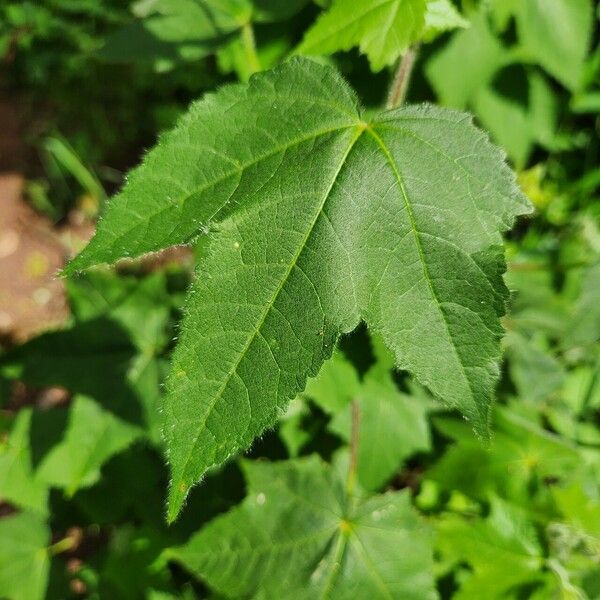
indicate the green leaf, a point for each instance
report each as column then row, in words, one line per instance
column 393, row 426
column 139, row 306
column 581, row 512
column 557, row 35
column 382, row 29
column 92, row 436
column 503, row 551
column 515, row 466
column 293, row 259
column 172, row 30
column 91, row 358
column 536, row 373
column 466, row 64
column 24, row 560
column 336, row 385
column 442, row 16
column 584, row 324
column 297, row 535
column 18, row 483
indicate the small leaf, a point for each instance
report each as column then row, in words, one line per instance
column 24, row 560
column 442, row 16
column 296, row 535
column 92, row 436
column 382, row 29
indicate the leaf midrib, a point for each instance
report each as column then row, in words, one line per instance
column 360, row 128
column 182, row 200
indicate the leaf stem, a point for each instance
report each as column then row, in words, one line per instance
column 249, row 44
column 401, row 79
column 354, row 441
column 61, row 546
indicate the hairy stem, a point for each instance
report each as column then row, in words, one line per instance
column 354, row 440
column 401, row 79
column 249, row 44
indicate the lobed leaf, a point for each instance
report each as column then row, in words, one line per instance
column 24, row 557
column 298, row 535
column 324, row 219
column 382, row 29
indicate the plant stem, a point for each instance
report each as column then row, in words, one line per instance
column 354, row 440
column 249, row 44
column 401, row 79
column 61, row 546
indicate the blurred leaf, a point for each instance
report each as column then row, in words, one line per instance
column 298, row 535
column 172, row 30
column 393, row 426
column 581, row 511
column 336, row 385
column 536, row 373
column 584, row 326
column 557, row 35
column 24, row 560
column 139, row 306
column 134, row 563
column 466, row 64
column 503, row 551
column 516, row 466
column 91, row 358
column 66, row 156
column 92, row 436
column 18, row 483
column 292, row 427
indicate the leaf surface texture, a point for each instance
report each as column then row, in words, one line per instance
column 316, row 219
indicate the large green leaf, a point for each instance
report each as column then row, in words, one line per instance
column 316, row 218
column 298, row 535
column 24, row 559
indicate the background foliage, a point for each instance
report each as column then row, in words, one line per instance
column 432, row 511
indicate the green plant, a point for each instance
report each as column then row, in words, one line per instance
column 350, row 274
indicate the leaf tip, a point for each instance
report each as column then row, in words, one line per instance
column 178, row 492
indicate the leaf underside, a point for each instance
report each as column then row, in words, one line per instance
column 316, row 219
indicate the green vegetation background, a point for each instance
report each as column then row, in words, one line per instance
column 83, row 484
